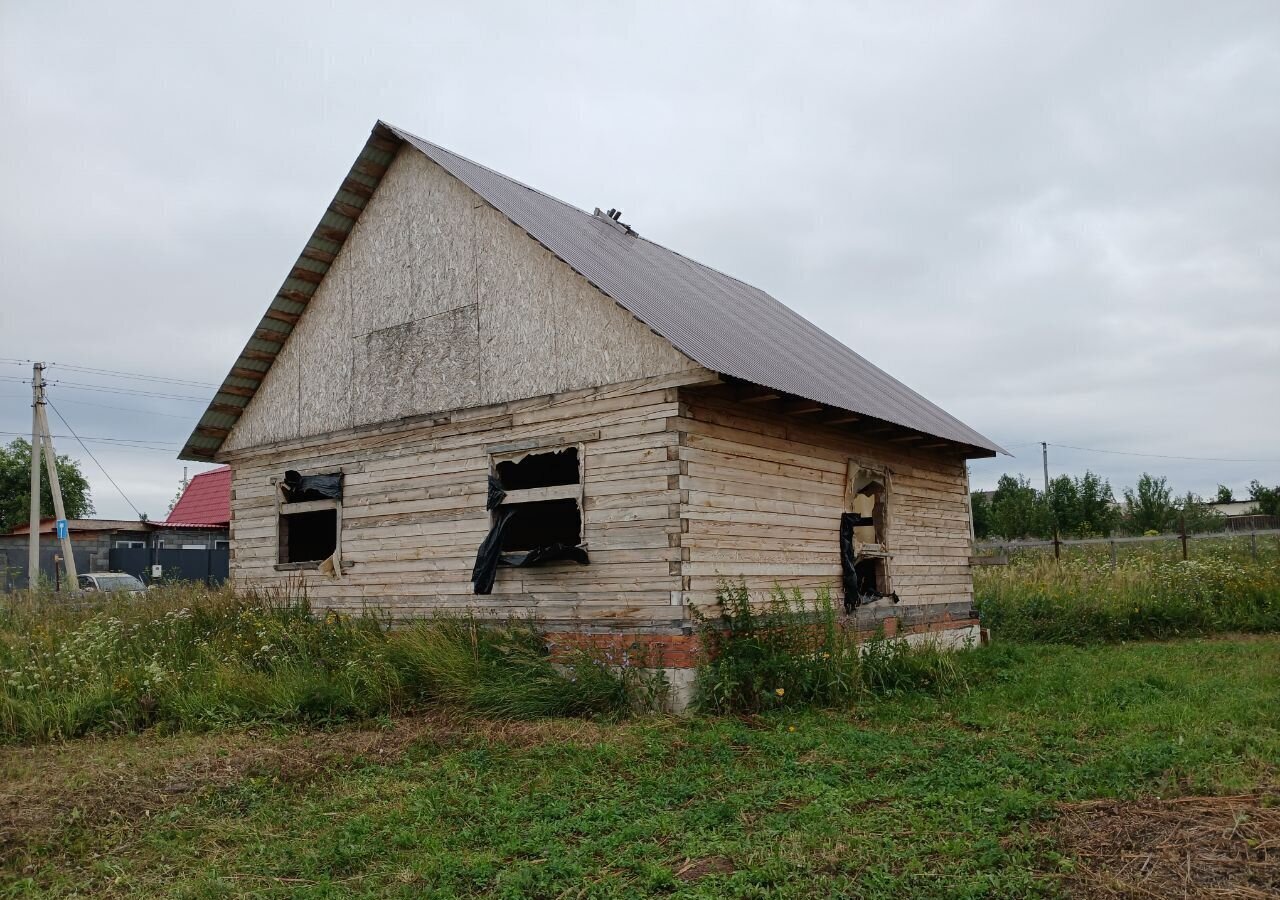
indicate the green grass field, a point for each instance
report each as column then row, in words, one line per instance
column 910, row 795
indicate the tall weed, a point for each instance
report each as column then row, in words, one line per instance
column 790, row 652
column 185, row 657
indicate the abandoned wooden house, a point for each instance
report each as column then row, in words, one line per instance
column 524, row 409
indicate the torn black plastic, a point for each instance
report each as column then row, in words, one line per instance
column 855, row 594
column 299, row 488
column 496, row 494
column 490, row 554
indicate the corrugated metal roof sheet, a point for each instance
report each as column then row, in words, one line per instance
column 721, row 323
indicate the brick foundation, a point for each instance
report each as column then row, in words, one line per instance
column 682, row 651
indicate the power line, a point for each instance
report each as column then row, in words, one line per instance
column 141, row 442
column 134, row 375
column 1164, row 456
column 92, row 457
column 97, row 405
column 80, row 386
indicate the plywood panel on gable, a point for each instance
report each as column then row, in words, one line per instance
column 435, row 302
column 426, row 365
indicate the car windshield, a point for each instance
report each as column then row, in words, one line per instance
column 119, row 583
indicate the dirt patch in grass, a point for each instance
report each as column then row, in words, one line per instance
column 50, row 792
column 697, row 869
column 1184, row 847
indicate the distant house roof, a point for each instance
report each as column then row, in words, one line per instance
column 206, row 501
column 721, row 323
column 47, row 525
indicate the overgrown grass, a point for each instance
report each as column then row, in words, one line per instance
column 915, row 795
column 793, row 652
column 1082, row 598
column 184, row 657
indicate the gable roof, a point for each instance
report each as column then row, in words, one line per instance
column 721, row 323
column 206, row 500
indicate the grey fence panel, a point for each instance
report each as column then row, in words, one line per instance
column 208, row 566
column 13, row 567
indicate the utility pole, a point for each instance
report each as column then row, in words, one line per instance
column 1044, row 450
column 40, row 424
column 33, row 539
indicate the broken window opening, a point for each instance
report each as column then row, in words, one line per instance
column 307, row 537
column 542, row 524
column 871, row 579
column 536, row 505
column 535, row 470
column 864, row 557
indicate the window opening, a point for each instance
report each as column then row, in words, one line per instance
column 308, row 536
column 535, row 525
column 864, row 557
column 309, row 518
column 535, row 470
column 536, row 504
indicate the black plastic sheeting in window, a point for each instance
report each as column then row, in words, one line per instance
column 855, row 594
column 299, row 488
column 509, row 520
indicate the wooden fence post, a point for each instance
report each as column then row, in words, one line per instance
column 1057, row 544
column 1253, row 545
column 1182, row 525
column 1113, row 553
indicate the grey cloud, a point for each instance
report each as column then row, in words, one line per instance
column 1056, row 221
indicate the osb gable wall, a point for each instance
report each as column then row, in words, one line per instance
column 413, row 512
column 438, row 302
column 764, row 493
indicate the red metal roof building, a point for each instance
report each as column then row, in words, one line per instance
column 206, row 501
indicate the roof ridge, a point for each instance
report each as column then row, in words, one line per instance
column 466, row 159
column 575, row 208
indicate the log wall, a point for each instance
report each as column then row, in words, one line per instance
column 763, row 493
column 683, row 487
column 413, row 510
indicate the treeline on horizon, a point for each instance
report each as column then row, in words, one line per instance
column 1087, row 507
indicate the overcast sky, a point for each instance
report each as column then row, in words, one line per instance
column 1058, row 221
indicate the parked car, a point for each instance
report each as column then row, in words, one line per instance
column 111, row 583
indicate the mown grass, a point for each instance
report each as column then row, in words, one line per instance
column 184, row 657
column 1149, row 593
column 917, row 795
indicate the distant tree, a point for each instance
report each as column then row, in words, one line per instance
column 1268, row 499
column 1224, row 495
column 1098, row 513
column 182, row 489
column 981, row 515
column 1064, row 504
column 1196, row 514
column 1016, row 509
column 15, row 486
column 1150, row 506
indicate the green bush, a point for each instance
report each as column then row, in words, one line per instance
column 793, row 652
column 185, row 657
